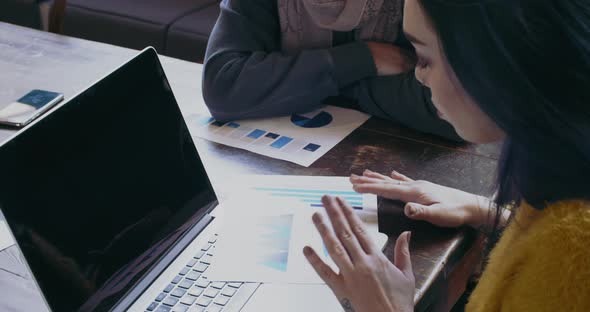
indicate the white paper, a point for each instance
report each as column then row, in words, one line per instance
column 299, row 138
column 308, row 190
column 261, row 239
column 264, row 242
column 6, row 239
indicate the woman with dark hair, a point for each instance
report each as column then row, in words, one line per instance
column 517, row 71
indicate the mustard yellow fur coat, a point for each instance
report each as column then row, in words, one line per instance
column 541, row 263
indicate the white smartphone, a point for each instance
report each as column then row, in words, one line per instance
column 28, row 107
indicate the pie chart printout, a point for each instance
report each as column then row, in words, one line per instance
column 321, row 119
column 301, row 138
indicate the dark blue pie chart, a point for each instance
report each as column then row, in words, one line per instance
column 321, row 119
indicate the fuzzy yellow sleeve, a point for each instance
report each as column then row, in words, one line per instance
column 541, row 263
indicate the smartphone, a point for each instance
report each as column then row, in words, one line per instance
column 28, row 107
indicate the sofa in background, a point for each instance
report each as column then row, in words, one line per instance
column 177, row 28
column 28, row 13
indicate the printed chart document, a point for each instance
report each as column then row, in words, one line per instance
column 299, row 138
column 261, row 239
column 264, row 243
column 308, row 190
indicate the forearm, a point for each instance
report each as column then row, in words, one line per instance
column 483, row 214
column 264, row 84
column 246, row 75
column 240, row 85
column 403, row 99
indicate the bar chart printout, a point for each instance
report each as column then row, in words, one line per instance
column 313, row 197
column 268, row 221
column 299, row 138
column 263, row 243
column 309, row 190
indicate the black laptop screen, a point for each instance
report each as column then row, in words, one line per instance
column 96, row 191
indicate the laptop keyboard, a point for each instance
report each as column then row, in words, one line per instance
column 191, row 291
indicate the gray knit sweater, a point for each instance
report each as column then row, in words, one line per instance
column 248, row 75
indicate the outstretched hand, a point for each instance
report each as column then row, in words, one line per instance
column 437, row 204
column 367, row 280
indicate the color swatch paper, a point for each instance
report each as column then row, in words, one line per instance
column 299, row 138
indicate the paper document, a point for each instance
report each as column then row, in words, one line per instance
column 308, row 190
column 261, row 239
column 299, row 138
column 6, row 239
column 264, row 243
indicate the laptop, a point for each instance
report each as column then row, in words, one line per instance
column 111, row 206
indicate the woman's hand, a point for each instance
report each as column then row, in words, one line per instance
column 367, row 280
column 390, row 59
column 437, row 204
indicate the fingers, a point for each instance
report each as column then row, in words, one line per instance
column 395, row 176
column 343, row 231
column 417, row 211
column 332, row 243
column 398, row 186
column 355, row 179
column 357, row 226
column 437, row 214
column 398, row 176
column 376, row 175
column 401, row 192
column 324, row 271
column 402, row 258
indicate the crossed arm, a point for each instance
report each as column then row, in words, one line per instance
column 247, row 75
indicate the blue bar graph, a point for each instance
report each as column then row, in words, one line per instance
column 319, row 201
column 321, row 206
column 316, row 196
column 313, row 197
column 288, row 190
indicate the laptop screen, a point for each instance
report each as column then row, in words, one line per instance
column 98, row 190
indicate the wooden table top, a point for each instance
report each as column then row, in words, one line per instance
column 31, row 59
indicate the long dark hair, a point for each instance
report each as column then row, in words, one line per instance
column 527, row 65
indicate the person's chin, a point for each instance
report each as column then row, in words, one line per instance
column 477, row 137
column 442, row 116
column 466, row 134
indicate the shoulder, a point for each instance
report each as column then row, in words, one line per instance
column 567, row 222
column 561, row 235
column 556, row 271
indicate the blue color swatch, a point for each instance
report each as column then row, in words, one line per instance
column 256, row 134
column 311, row 147
column 271, row 135
column 205, row 120
column 218, row 123
column 281, row 142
